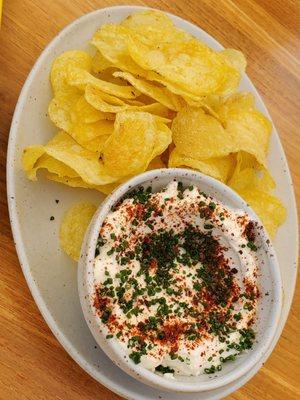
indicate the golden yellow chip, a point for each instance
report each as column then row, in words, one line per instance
column 160, row 94
column 160, row 110
column 163, row 138
column 83, row 133
column 60, row 108
column 188, row 63
column 73, row 227
column 250, row 174
column 111, row 40
column 99, row 101
column 29, row 158
column 235, row 58
column 77, row 182
column 129, row 149
column 86, row 163
column 201, row 136
column 254, row 183
column 83, row 112
column 249, row 127
column 100, row 63
column 220, row 168
column 64, row 111
column 54, row 166
column 80, row 78
column 151, row 24
column 74, row 58
column 268, row 207
column 96, row 144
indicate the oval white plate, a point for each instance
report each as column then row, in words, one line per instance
column 50, row 274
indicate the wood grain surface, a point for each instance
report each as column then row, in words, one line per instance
column 33, row 365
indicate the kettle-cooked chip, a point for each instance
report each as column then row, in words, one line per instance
column 74, row 58
column 61, row 106
column 137, row 139
column 29, row 158
column 220, row 168
column 235, row 58
column 83, row 112
column 268, row 207
column 84, row 162
column 80, row 78
column 111, row 41
column 249, row 127
column 160, row 94
column 100, row 63
column 128, row 150
column 98, row 100
column 201, row 136
column 62, row 115
column 73, row 227
column 254, row 184
column 77, row 182
column 189, row 63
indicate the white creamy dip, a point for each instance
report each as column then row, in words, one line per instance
column 176, row 280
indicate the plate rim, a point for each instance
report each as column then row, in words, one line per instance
column 15, row 224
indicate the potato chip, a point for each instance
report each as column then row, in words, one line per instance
column 100, row 63
column 84, row 162
column 83, row 133
column 128, row 150
column 188, row 63
column 160, row 110
column 54, row 166
column 249, row 173
column 60, row 108
column 137, row 139
column 61, row 112
column 83, row 112
column 73, row 227
column 80, row 78
column 160, row 94
column 97, row 99
column 96, row 144
column 220, row 168
column 75, row 58
column 235, row 103
column 151, row 24
column 201, row 136
column 163, row 53
column 235, row 58
column 268, row 207
column 111, row 40
column 249, row 127
column 162, row 140
column 29, row 157
column 254, row 183
column 77, row 182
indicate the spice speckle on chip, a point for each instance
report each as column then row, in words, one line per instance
column 149, row 92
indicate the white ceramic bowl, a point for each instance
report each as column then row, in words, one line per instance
column 269, row 307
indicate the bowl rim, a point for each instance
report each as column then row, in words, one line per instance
column 111, row 347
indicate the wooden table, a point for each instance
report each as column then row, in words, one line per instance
column 33, row 365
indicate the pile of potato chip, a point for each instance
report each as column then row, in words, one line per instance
column 153, row 96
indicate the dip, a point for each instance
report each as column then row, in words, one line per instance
column 176, row 280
